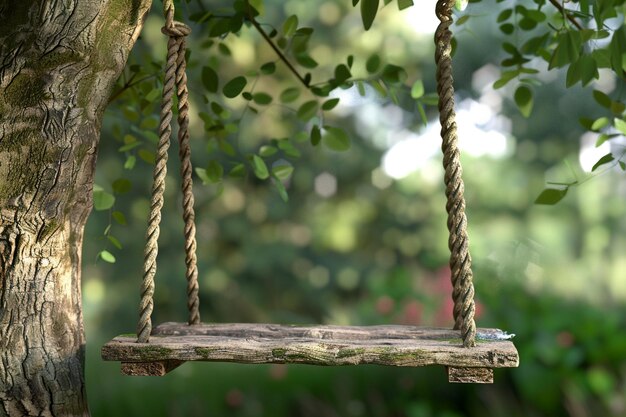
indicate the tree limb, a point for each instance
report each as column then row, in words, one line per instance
column 566, row 13
column 280, row 54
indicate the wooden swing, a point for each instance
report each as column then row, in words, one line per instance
column 469, row 354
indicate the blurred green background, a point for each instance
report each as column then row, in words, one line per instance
column 362, row 239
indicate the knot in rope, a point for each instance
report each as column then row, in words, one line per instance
column 458, row 242
column 176, row 29
column 443, row 10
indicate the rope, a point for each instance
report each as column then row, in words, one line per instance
column 174, row 77
column 184, row 153
column 460, row 259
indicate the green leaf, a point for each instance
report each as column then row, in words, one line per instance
column 504, row 15
column 585, row 122
column 372, row 64
column 507, row 28
column 306, row 61
column 119, row 217
column 461, row 4
column 393, row 74
column 289, row 95
column 147, row 156
column 430, row 99
column 115, row 242
column 234, row 87
column 604, row 160
column 224, row 49
column 342, row 73
column 282, row 191
column 417, row 90
column 287, row 147
column 102, row 200
column 259, row 167
column 574, row 73
column 505, row 77
column 602, row 99
column 462, row 19
column 618, row 50
column 403, row 4
column 336, row 139
column 600, row 123
column 420, row 109
column 617, row 107
column 524, row 100
column 153, row 95
column 201, row 172
column 262, row 98
column 238, row 171
column 620, row 125
column 603, row 138
column 130, row 162
column 214, row 171
column 379, row 87
column 589, row 69
column 107, row 256
column 282, row 172
column 129, row 146
column 307, row 110
column 290, row 26
column 360, row 88
column 567, row 50
column 551, row 196
column 350, row 60
column 151, row 136
column 122, row 186
column 316, row 135
column 369, row 8
column 268, row 68
column 330, row 104
column 226, row 147
column 267, row 150
column 149, row 123
column 210, row 79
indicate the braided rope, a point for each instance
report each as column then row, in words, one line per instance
column 460, row 259
column 173, row 78
column 193, row 302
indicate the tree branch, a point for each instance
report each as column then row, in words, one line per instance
column 128, row 85
column 280, row 54
column 565, row 12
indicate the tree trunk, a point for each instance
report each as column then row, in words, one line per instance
column 58, row 63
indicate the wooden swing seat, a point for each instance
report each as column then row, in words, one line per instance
column 172, row 344
column 156, row 351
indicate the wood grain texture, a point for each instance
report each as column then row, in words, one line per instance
column 318, row 345
column 158, row 368
column 470, row 375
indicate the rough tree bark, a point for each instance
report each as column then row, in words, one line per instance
column 58, row 63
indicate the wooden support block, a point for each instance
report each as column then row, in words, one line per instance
column 470, row 375
column 158, row 368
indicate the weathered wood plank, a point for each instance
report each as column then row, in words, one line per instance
column 470, row 375
column 318, row 345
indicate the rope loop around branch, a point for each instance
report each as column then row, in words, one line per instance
column 176, row 30
column 458, row 242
